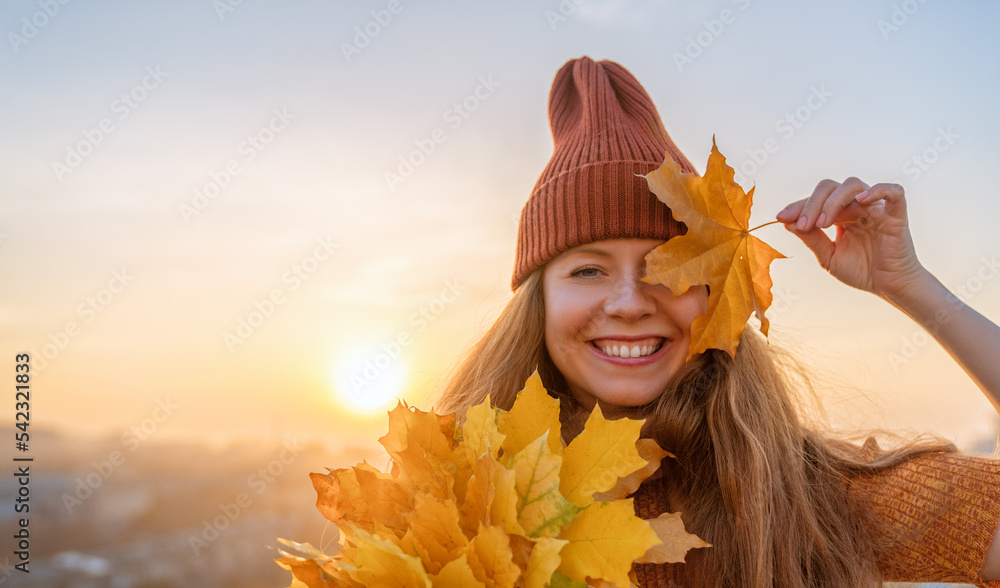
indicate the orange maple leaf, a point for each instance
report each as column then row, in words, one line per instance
column 716, row 251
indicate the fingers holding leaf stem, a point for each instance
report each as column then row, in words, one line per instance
column 872, row 244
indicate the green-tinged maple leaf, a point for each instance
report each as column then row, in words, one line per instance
column 542, row 509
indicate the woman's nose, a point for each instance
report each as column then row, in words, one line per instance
column 631, row 299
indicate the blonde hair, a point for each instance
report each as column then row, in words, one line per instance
column 751, row 478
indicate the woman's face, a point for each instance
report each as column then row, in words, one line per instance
column 612, row 336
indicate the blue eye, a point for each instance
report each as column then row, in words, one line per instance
column 586, row 272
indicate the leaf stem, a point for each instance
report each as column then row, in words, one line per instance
column 763, row 225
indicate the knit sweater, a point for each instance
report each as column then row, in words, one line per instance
column 938, row 515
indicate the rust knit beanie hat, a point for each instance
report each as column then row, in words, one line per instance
column 606, row 130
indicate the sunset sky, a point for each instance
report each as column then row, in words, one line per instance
column 247, row 208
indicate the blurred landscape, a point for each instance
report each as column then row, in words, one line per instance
column 121, row 514
column 132, row 513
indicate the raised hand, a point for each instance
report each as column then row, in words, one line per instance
column 872, row 249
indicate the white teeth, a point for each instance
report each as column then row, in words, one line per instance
column 634, row 351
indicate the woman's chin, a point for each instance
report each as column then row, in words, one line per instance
column 625, row 399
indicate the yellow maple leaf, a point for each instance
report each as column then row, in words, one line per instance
column 716, row 251
column 422, row 448
column 479, row 435
column 542, row 509
column 521, row 547
column 308, row 573
column 604, row 540
column 504, row 506
column 410, row 427
column 533, row 414
column 386, row 500
column 433, row 526
column 543, row 562
column 675, row 541
column 419, row 470
column 491, row 559
column 456, row 574
column 380, row 562
column 604, row 451
column 339, row 495
column 491, row 498
column 626, row 485
column 315, row 570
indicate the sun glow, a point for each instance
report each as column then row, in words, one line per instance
column 369, row 379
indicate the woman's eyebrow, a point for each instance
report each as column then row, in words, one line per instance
column 591, row 250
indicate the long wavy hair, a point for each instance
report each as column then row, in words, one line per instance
column 767, row 491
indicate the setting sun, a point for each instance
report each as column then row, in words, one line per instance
column 370, row 378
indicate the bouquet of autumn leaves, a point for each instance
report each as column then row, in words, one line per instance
column 496, row 501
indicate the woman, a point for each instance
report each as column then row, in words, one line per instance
column 782, row 504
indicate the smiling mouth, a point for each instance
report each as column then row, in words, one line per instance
column 618, row 348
